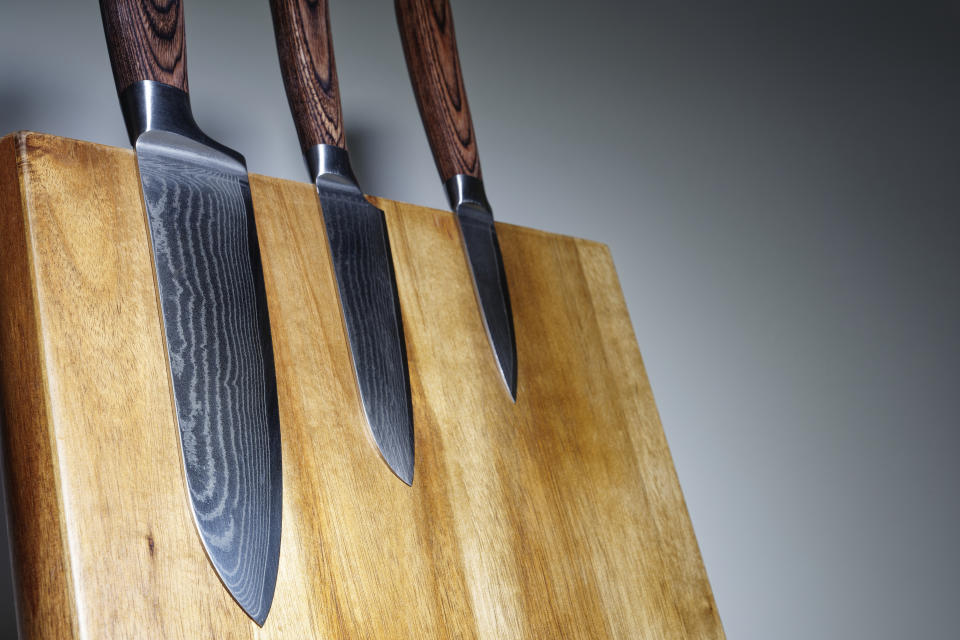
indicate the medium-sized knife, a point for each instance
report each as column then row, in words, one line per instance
column 430, row 47
column 213, row 305
column 356, row 230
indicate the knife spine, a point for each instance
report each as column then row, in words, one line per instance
column 309, row 70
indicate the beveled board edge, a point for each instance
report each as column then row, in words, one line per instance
column 43, row 587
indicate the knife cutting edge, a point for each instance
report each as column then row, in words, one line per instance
column 430, row 48
column 356, row 230
column 209, row 277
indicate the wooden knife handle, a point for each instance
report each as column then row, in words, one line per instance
column 302, row 28
column 145, row 39
column 430, row 47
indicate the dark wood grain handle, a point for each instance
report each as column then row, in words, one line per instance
column 145, row 39
column 309, row 70
column 430, row 47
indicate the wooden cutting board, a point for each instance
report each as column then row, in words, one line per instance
column 559, row 516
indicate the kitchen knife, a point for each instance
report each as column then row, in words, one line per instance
column 213, row 304
column 430, row 47
column 356, row 230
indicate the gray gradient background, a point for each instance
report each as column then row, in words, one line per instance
column 779, row 185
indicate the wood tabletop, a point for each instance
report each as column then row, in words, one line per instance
column 559, row 516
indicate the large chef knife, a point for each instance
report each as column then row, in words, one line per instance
column 213, row 305
column 356, row 230
column 430, row 47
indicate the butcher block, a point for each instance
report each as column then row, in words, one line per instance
column 559, row 515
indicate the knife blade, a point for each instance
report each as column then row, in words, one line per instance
column 356, row 230
column 213, row 306
column 430, row 48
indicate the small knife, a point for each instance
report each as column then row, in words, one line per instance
column 356, row 230
column 213, row 305
column 430, row 47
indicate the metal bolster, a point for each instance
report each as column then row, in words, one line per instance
column 330, row 164
column 149, row 105
column 464, row 189
column 155, row 106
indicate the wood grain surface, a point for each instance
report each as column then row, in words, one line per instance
column 558, row 517
column 145, row 41
column 305, row 48
column 430, row 47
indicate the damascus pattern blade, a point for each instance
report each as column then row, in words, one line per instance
column 363, row 265
column 210, row 281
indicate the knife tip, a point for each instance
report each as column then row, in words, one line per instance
column 398, row 459
column 258, row 611
column 509, row 377
column 403, row 471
